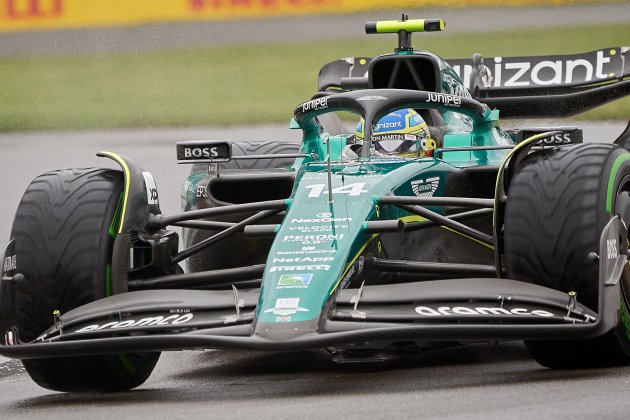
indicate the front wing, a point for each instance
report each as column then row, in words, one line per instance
column 439, row 310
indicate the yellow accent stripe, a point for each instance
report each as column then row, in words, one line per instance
column 469, row 237
column 358, row 254
column 122, row 163
column 407, row 219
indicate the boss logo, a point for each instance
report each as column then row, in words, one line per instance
column 200, row 152
column 563, row 138
column 208, row 150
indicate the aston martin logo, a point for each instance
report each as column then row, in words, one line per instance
column 425, row 187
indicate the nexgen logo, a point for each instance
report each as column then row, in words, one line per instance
column 463, row 310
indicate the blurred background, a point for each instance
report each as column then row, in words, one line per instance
column 118, row 64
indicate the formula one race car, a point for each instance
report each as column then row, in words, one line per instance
column 405, row 219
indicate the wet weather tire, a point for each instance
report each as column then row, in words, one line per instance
column 64, row 247
column 555, row 213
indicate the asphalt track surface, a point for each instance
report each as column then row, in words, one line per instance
column 494, row 381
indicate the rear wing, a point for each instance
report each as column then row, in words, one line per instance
column 521, row 87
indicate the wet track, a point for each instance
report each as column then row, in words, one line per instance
column 479, row 381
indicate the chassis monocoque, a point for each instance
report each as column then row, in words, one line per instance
column 495, row 236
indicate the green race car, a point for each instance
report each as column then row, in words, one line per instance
column 405, row 219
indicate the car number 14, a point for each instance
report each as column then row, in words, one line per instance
column 351, row 189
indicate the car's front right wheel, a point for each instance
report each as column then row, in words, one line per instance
column 559, row 201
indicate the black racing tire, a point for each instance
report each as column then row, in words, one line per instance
column 64, row 246
column 555, row 213
column 245, row 148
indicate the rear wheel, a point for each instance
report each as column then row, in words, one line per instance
column 64, row 231
column 558, row 204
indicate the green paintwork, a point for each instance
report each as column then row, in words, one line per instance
column 319, row 246
column 610, row 191
column 115, row 224
column 318, row 239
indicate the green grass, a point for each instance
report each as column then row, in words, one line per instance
column 244, row 84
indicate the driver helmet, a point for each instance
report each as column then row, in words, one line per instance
column 401, row 133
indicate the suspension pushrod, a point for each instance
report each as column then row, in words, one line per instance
column 402, row 266
column 224, row 234
column 159, row 220
column 438, row 201
column 381, row 226
column 200, row 278
column 207, row 225
column 445, row 221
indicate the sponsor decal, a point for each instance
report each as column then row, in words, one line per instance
column 9, row 264
column 353, row 190
column 511, row 72
column 286, row 318
column 207, row 150
column 143, row 322
column 443, row 98
column 390, row 124
column 302, row 259
column 313, row 252
column 322, row 218
column 294, row 281
column 346, row 278
column 425, row 187
column 384, row 137
column 325, row 228
column 487, row 310
column 179, row 311
column 200, row 152
column 152, row 192
column 567, row 136
column 372, row 98
column 611, row 249
column 316, row 267
column 559, row 138
column 286, row 306
column 313, row 239
column 315, row 104
column 202, row 191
